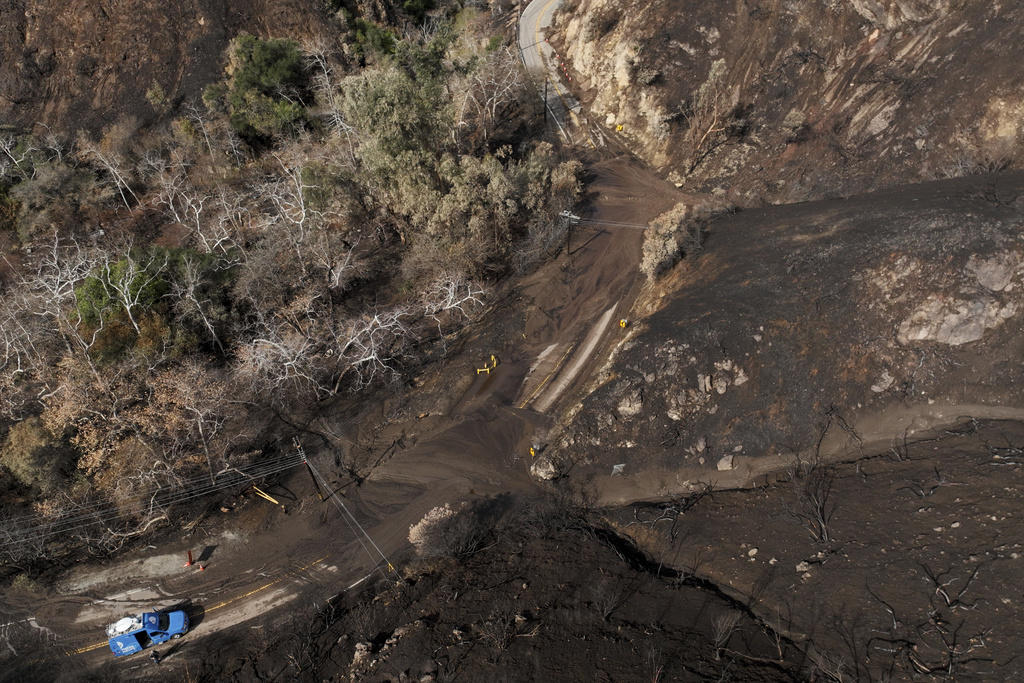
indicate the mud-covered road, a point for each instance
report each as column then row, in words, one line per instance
column 262, row 559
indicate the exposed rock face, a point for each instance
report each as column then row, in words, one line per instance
column 954, row 322
column 809, row 98
column 818, row 317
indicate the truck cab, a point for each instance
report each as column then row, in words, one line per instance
column 135, row 633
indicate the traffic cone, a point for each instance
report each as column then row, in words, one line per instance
column 202, row 568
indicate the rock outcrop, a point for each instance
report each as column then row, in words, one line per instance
column 813, row 331
column 788, row 100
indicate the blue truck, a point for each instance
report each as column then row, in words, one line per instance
column 137, row 632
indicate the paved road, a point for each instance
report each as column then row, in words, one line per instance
column 541, row 61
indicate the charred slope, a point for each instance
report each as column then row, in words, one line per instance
column 543, row 599
column 80, row 65
column 821, row 329
column 789, row 100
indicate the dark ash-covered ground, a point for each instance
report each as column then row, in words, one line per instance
column 819, row 330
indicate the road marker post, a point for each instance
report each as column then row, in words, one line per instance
column 188, row 563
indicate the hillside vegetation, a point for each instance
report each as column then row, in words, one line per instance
column 313, row 227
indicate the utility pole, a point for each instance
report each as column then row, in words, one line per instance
column 309, row 468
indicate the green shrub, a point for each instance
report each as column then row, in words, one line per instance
column 96, row 296
column 269, row 80
column 9, row 208
column 23, row 582
column 373, row 39
column 417, row 9
column 36, row 457
column 267, row 66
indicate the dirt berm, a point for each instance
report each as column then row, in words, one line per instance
column 826, row 330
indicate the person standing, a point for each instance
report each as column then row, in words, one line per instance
column 155, row 656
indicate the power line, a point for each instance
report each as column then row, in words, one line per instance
column 576, row 220
column 351, row 520
column 252, row 471
column 106, row 513
column 172, row 495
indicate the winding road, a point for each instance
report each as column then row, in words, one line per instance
column 544, row 64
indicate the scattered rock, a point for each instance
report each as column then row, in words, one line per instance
column 363, row 651
column 543, row 468
column 702, row 444
column 631, row 404
column 883, row 383
column 752, row 552
column 725, row 463
column 803, row 567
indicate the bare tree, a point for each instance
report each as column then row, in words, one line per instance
column 723, row 626
column 813, row 507
column 201, row 125
column 452, row 294
column 193, row 305
column 372, row 343
column 109, row 154
column 607, row 597
column 16, row 156
column 335, row 258
column 708, row 116
column 192, row 402
column 130, row 280
column 490, row 93
column 329, row 98
column 827, row 666
column 280, row 358
column 291, row 196
column 944, row 583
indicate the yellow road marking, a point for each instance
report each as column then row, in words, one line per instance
column 207, row 610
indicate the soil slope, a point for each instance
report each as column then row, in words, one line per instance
column 815, row 331
column 788, row 100
column 79, row 65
